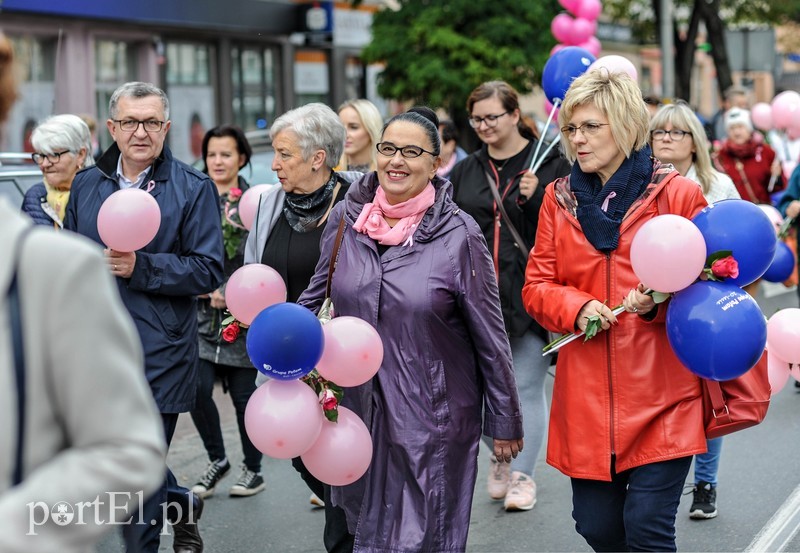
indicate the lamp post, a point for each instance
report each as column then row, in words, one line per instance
column 667, row 47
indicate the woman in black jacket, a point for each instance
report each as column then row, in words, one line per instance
column 500, row 170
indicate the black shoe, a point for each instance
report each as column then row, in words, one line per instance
column 213, row 474
column 704, row 504
column 249, row 483
column 185, row 532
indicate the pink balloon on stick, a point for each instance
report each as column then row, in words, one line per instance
column 570, row 5
column 283, row 419
column 128, row 220
column 668, row 253
column 251, row 289
column 615, row 64
column 783, row 334
column 248, row 203
column 342, row 453
column 783, row 107
column 761, row 114
column 581, row 30
column 561, row 27
column 778, row 372
column 549, row 107
column 589, row 9
column 592, row 45
column 353, row 351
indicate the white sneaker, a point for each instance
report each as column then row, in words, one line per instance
column 499, row 477
column 521, row 494
column 316, row 501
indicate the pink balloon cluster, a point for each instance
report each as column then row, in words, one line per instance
column 783, row 347
column 781, row 114
column 580, row 29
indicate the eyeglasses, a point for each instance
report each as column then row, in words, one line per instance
column 132, row 125
column 52, row 158
column 388, row 149
column 490, row 120
column 675, row 134
column 587, row 129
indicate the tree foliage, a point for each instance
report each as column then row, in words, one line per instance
column 435, row 52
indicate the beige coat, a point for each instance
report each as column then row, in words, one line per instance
column 92, row 427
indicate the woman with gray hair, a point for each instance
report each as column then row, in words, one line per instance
column 62, row 146
column 626, row 416
column 291, row 217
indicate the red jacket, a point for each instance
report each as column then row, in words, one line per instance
column 750, row 168
column 624, row 392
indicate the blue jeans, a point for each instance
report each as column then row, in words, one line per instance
column 706, row 465
column 635, row 511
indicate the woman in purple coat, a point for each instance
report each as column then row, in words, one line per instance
column 417, row 268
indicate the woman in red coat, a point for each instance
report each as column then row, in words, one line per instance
column 626, row 416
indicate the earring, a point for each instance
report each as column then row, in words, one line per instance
column 313, row 169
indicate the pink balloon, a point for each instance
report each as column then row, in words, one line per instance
column 283, row 418
column 248, row 203
column 128, row 220
column 251, row 289
column 589, row 9
column 561, row 27
column 615, row 64
column 570, row 5
column 592, row 45
column 668, row 253
column 549, row 107
column 342, row 453
column 581, row 30
column 353, row 351
column 774, row 216
column 783, row 334
column 761, row 114
column 778, row 371
column 783, row 107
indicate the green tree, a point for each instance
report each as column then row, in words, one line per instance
column 435, row 52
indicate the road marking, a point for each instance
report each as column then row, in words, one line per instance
column 781, row 528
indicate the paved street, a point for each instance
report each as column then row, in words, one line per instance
column 759, row 494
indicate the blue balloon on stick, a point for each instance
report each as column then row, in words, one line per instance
column 285, row 341
column 562, row 68
column 716, row 329
column 782, row 264
column 744, row 229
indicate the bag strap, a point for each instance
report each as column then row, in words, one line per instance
column 334, row 256
column 740, row 168
column 718, row 406
column 15, row 316
column 518, row 241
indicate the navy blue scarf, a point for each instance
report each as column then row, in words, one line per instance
column 601, row 227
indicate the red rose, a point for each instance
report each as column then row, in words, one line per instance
column 328, row 400
column 234, row 194
column 230, row 332
column 727, row 267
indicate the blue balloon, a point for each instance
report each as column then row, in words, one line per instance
column 744, row 229
column 716, row 329
column 782, row 264
column 562, row 68
column 285, row 341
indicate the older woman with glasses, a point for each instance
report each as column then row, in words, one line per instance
column 626, row 416
column 416, row 267
column 63, row 146
column 495, row 187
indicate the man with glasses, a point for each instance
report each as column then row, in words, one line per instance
column 158, row 283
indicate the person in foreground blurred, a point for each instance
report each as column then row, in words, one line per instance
column 362, row 121
column 416, row 267
column 73, row 439
column 503, row 164
column 677, row 137
column 223, row 354
column 290, row 220
column 626, row 416
column 160, row 282
column 62, row 146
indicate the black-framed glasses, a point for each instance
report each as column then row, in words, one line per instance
column 589, row 128
column 674, row 134
column 490, row 120
column 132, row 125
column 388, row 149
column 52, row 158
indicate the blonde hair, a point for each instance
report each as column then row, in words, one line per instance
column 618, row 97
column 373, row 123
column 681, row 116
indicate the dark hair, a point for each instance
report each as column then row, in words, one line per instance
column 448, row 130
column 508, row 98
column 652, row 100
column 424, row 117
column 242, row 145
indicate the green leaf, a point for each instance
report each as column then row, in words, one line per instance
column 660, row 297
column 227, row 320
column 332, row 415
column 717, row 255
column 593, row 326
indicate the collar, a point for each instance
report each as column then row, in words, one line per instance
column 125, row 182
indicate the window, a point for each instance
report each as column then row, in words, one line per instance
column 254, row 74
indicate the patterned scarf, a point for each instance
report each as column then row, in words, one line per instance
column 602, row 207
column 371, row 221
column 57, row 198
column 303, row 211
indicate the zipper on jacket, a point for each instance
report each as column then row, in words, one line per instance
column 608, row 361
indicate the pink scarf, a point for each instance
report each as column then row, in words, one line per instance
column 410, row 212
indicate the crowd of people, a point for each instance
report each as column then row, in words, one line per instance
column 473, row 252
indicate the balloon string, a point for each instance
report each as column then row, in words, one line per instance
column 544, row 155
column 539, row 142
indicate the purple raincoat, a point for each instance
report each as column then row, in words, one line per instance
column 446, row 357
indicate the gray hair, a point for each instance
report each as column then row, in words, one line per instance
column 317, row 128
column 63, row 132
column 137, row 89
